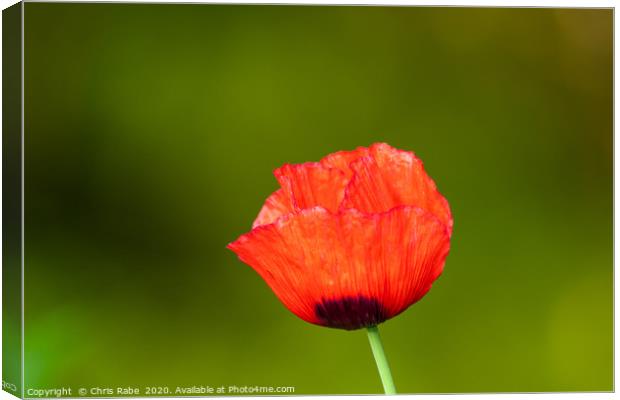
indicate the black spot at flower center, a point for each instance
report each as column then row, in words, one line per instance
column 351, row 312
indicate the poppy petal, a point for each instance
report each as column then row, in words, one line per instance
column 342, row 160
column 311, row 184
column 389, row 177
column 347, row 270
column 276, row 205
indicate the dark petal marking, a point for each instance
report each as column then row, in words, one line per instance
column 351, row 312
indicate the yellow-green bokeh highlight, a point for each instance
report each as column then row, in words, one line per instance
column 151, row 135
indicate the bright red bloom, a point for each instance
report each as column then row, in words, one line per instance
column 352, row 240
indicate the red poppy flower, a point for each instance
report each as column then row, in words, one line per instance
column 352, row 240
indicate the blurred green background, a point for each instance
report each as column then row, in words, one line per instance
column 151, row 136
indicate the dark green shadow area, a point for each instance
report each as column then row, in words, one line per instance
column 12, row 199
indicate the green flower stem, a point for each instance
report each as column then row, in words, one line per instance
column 381, row 360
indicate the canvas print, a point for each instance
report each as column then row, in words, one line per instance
column 284, row 200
